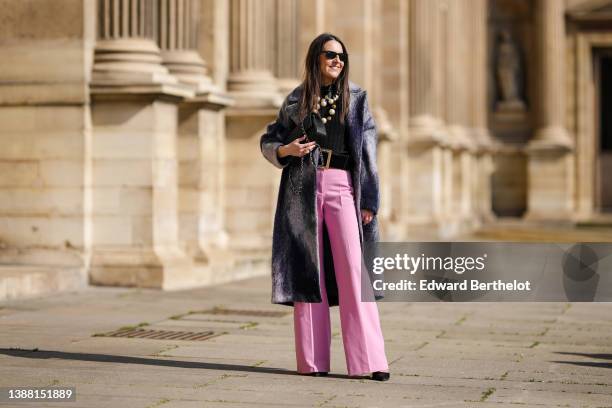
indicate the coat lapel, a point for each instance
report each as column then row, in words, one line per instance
column 355, row 139
column 292, row 112
column 291, row 109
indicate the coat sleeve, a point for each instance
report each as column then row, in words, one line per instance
column 273, row 139
column 370, row 197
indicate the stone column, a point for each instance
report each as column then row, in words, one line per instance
column 134, row 154
column 483, row 164
column 552, row 93
column 250, row 182
column 457, row 69
column 201, row 136
column 425, row 85
column 361, row 25
column 177, row 37
column 459, row 207
column 311, row 17
column 252, row 29
column 478, row 67
column 426, row 134
column 550, row 168
column 354, row 22
column 396, row 193
column 201, row 133
column 287, row 29
column 388, row 143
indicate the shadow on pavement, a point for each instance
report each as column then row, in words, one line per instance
column 600, row 356
column 106, row 358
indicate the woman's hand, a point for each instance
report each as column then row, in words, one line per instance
column 366, row 215
column 296, row 148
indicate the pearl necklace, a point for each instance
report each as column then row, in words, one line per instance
column 328, row 100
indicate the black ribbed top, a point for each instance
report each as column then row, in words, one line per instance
column 337, row 133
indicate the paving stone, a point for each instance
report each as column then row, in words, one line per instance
column 440, row 354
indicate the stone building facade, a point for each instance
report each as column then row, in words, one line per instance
column 129, row 129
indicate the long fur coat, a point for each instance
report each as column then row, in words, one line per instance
column 295, row 244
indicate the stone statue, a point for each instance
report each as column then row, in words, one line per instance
column 508, row 71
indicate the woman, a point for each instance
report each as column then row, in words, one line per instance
column 327, row 204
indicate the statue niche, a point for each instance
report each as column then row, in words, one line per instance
column 509, row 74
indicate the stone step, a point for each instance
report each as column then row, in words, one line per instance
column 597, row 221
column 24, row 281
column 528, row 232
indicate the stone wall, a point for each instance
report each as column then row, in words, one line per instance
column 45, row 134
column 130, row 129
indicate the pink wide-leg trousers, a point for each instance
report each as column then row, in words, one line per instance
column 362, row 337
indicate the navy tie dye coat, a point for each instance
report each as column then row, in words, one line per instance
column 295, row 253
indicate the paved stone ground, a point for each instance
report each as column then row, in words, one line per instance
column 441, row 354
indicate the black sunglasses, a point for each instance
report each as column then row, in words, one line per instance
column 332, row 54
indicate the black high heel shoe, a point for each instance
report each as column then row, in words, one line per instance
column 318, row 374
column 380, row 376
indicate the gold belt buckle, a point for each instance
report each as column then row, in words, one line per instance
column 328, row 161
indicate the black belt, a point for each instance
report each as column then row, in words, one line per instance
column 328, row 159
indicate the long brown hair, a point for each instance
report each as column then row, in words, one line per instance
column 311, row 83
